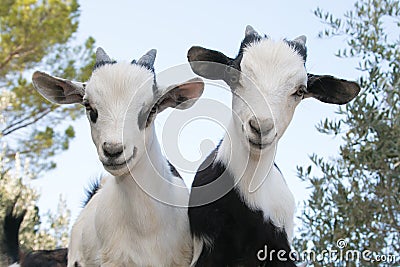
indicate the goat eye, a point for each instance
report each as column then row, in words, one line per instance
column 92, row 112
column 153, row 110
column 93, row 115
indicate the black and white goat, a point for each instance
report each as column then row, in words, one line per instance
column 139, row 215
column 19, row 258
column 240, row 205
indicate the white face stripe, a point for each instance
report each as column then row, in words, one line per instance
column 270, row 70
column 273, row 71
column 149, row 232
column 118, row 92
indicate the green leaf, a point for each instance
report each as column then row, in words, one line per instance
column 355, row 194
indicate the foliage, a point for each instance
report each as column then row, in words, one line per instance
column 355, row 197
column 14, row 188
column 38, row 35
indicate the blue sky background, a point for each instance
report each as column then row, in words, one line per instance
column 127, row 29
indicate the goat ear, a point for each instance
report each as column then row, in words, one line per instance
column 209, row 64
column 57, row 90
column 331, row 90
column 181, row 96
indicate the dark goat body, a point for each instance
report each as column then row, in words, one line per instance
column 46, row 258
column 37, row 258
column 235, row 226
column 234, row 233
column 11, row 227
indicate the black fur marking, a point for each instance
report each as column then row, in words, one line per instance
column 229, row 70
column 249, row 40
column 102, row 63
column 231, row 73
column 237, row 233
column 276, row 166
column 94, row 187
column 147, row 113
column 11, row 226
column 299, row 48
column 46, row 258
column 151, row 69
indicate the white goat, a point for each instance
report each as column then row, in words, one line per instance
column 139, row 216
column 240, row 203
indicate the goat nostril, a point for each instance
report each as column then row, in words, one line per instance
column 112, row 150
column 261, row 127
column 254, row 126
column 268, row 125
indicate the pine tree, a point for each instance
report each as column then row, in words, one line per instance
column 36, row 34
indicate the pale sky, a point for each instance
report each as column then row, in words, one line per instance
column 126, row 30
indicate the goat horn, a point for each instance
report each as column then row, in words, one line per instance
column 250, row 31
column 148, row 58
column 302, row 39
column 101, row 56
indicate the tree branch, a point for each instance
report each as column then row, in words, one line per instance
column 18, row 122
column 26, row 118
column 7, row 132
column 10, row 56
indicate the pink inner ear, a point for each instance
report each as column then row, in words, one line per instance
column 192, row 88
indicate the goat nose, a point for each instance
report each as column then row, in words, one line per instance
column 112, row 150
column 261, row 126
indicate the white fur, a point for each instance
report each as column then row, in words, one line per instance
column 271, row 74
column 123, row 225
column 130, row 227
column 198, row 245
column 261, row 185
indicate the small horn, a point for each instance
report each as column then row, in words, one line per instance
column 148, row 59
column 302, row 39
column 101, row 56
column 250, row 31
